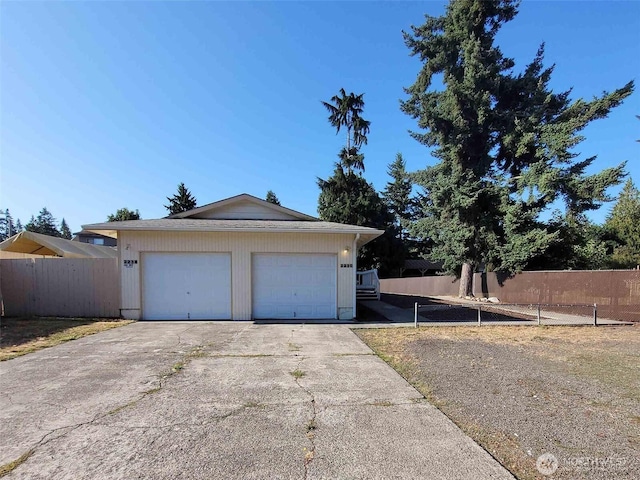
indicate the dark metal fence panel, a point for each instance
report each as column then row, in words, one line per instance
column 616, row 292
column 421, row 286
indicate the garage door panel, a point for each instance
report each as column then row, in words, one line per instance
column 187, row 286
column 294, row 286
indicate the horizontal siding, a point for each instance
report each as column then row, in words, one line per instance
column 245, row 210
column 241, row 246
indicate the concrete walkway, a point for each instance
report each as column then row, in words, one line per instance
column 406, row 316
column 224, row 400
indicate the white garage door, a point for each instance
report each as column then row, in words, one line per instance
column 186, row 286
column 294, row 286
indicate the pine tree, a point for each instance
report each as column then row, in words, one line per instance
column 19, row 227
column 65, row 232
column 504, row 143
column 624, row 223
column 272, row 198
column 346, row 197
column 124, row 214
column 345, row 111
column 397, row 194
column 44, row 223
column 181, row 202
column 7, row 228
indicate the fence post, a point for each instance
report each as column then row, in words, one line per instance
column 538, row 314
column 595, row 314
column 479, row 315
column 415, row 315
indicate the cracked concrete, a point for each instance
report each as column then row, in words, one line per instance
column 103, row 407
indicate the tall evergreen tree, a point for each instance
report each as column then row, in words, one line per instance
column 19, row 227
column 124, row 214
column 181, row 201
column 624, row 223
column 44, row 223
column 272, row 198
column 504, row 143
column 65, row 231
column 397, row 193
column 345, row 111
column 7, row 228
column 346, row 197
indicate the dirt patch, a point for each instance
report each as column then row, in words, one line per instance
column 19, row 336
column 521, row 392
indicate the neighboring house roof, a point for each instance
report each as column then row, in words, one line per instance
column 242, row 213
column 88, row 233
column 39, row 244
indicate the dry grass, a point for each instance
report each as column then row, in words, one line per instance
column 19, row 336
column 609, row 356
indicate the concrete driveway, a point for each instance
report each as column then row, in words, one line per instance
column 219, row 400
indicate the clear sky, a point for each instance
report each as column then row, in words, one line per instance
column 111, row 104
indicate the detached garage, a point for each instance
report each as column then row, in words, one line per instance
column 237, row 259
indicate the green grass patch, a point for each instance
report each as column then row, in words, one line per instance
column 297, row 374
column 7, row 468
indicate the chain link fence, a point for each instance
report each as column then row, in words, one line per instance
column 515, row 313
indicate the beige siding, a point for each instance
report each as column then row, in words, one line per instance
column 246, row 210
column 241, row 246
column 65, row 287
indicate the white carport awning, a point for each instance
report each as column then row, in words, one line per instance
column 39, row 244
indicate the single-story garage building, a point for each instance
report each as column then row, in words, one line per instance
column 241, row 258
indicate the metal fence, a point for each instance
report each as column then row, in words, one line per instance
column 616, row 292
column 511, row 314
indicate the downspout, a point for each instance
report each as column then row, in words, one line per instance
column 354, row 260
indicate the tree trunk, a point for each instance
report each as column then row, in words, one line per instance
column 466, row 281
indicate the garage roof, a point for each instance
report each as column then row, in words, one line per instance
column 201, row 225
column 242, row 213
column 39, row 244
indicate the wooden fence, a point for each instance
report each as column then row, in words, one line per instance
column 616, row 292
column 63, row 287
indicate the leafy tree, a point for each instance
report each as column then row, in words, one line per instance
column 7, row 228
column 124, row 214
column 345, row 111
column 44, row 223
column 65, row 232
column 272, row 198
column 181, row 202
column 503, row 140
column 624, row 223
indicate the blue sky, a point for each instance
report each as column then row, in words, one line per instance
column 111, row 104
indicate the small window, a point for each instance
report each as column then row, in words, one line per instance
column 98, row 241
